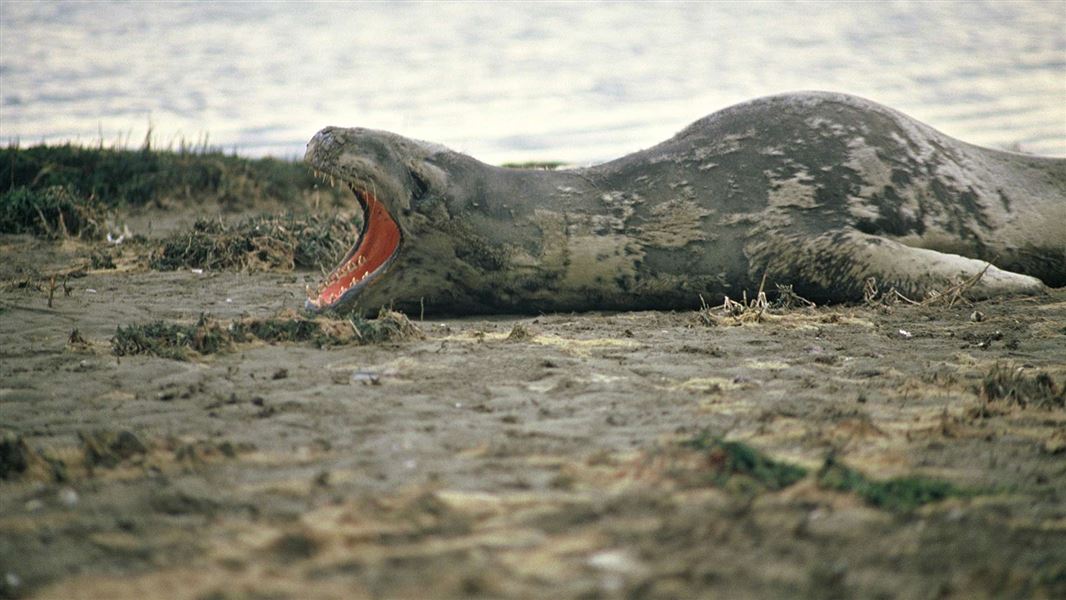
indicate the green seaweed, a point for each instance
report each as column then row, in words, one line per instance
column 901, row 494
column 730, row 459
column 737, row 465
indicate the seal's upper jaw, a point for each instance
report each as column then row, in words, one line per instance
column 381, row 237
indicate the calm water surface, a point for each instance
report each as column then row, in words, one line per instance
column 580, row 82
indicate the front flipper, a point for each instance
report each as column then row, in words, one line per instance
column 834, row 267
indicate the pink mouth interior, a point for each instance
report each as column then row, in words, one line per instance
column 377, row 244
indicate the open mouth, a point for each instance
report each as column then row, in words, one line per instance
column 368, row 259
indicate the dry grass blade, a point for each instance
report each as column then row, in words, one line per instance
column 954, row 293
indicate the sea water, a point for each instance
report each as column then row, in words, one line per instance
column 515, row 81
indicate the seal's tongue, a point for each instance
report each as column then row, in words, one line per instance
column 366, row 260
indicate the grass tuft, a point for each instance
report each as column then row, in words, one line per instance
column 120, row 177
column 53, row 212
column 1012, row 386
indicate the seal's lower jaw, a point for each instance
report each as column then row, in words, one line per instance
column 368, row 259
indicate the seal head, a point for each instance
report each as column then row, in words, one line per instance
column 388, row 178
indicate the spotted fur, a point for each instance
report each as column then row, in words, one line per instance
column 820, row 191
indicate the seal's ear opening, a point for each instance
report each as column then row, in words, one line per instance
column 368, row 259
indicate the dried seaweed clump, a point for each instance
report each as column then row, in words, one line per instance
column 209, row 336
column 1013, row 386
column 389, row 326
column 902, row 494
column 258, row 244
column 171, row 340
column 756, row 310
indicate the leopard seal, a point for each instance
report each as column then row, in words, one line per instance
column 818, row 190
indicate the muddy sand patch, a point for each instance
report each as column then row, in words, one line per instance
column 818, row 453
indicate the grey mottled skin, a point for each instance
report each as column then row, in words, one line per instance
column 816, row 190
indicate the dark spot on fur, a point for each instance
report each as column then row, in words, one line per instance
column 482, row 256
column 900, row 178
column 868, row 226
column 965, row 211
column 1004, row 200
column 891, row 219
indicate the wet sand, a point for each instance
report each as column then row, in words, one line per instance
column 525, row 456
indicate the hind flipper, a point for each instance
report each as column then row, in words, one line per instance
column 836, row 265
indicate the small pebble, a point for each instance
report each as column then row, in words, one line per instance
column 366, row 377
column 68, row 496
column 12, row 580
column 977, row 316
